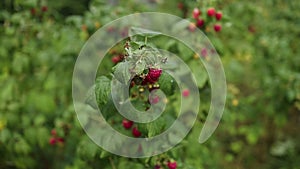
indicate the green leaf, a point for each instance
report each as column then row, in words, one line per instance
column 122, row 73
column 199, row 72
column 156, row 127
column 102, row 90
column 166, row 83
column 144, row 32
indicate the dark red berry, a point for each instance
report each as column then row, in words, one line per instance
column 180, row 5
column 127, row 124
column 52, row 141
column 33, row 11
column 211, row 12
column 60, row 140
column 157, row 166
column 219, row 15
column 136, row 132
column 153, row 75
column 44, row 8
column 53, row 132
column 200, row 22
column 172, row 165
column 185, row 93
column 196, row 13
column 217, row 27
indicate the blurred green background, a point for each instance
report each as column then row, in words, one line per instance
column 259, row 47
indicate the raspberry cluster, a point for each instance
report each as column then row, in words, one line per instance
column 54, row 139
column 204, row 21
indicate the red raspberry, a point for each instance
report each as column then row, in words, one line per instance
column 116, row 59
column 172, row 165
column 60, row 140
column 53, row 132
column 127, row 124
column 211, row 12
column 44, row 8
column 136, row 132
column 153, row 75
column 200, row 22
column 33, row 11
column 219, row 15
column 52, row 141
column 217, row 27
column 196, row 13
column 185, row 93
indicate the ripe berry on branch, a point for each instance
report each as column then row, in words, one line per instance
column 217, row 27
column 136, row 132
column 172, row 165
column 153, row 75
column 211, row 12
column 127, row 124
column 200, row 22
column 219, row 15
column 53, row 132
column 196, row 13
column 52, row 141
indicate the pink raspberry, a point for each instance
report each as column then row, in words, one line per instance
column 211, row 12
column 185, row 93
column 52, row 141
column 196, row 13
column 172, row 165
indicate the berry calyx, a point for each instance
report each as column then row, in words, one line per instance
column 200, row 22
column 52, row 141
column 211, row 12
column 136, row 132
column 172, row 165
column 185, row 93
column 196, row 13
column 217, row 27
column 127, row 124
column 219, row 15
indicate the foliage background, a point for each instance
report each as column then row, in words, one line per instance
column 259, row 45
